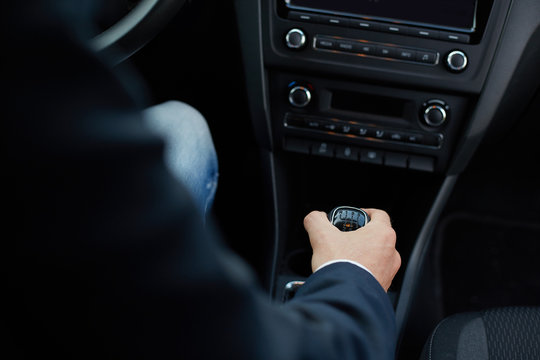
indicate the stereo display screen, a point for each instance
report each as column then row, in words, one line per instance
column 446, row 14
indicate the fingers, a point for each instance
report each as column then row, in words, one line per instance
column 373, row 245
column 316, row 221
column 378, row 216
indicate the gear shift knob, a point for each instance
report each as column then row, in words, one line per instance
column 348, row 218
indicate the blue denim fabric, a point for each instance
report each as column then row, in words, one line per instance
column 189, row 150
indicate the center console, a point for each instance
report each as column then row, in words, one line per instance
column 363, row 103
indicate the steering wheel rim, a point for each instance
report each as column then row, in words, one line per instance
column 135, row 29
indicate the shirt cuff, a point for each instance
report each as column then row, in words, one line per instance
column 346, row 261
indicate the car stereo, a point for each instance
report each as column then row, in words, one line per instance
column 454, row 15
column 386, row 82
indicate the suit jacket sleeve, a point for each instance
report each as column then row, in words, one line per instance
column 106, row 257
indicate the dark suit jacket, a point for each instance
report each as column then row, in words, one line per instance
column 106, row 257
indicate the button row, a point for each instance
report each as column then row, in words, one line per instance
column 347, row 128
column 323, row 42
column 379, row 26
column 368, row 156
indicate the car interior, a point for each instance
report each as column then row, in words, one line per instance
column 427, row 109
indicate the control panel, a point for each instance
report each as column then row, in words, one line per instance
column 383, row 51
column 375, row 89
column 373, row 124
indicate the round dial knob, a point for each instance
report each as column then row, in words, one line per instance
column 435, row 113
column 299, row 96
column 456, row 61
column 295, row 39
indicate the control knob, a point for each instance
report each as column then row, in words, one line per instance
column 295, row 39
column 299, row 96
column 457, row 61
column 434, row 113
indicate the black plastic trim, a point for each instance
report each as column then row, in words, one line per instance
column 522, row 31
column 417, row 258
column 250, row 33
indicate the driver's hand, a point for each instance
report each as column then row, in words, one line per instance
column 372, row 246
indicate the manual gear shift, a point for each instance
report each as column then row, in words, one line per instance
column 348, row 218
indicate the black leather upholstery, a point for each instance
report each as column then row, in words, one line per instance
column 497, row 334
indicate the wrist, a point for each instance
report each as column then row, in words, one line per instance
column 343, row 260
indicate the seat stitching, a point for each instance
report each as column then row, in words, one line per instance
column 432, row 337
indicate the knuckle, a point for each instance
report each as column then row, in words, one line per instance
column 309, row 218
column 381, row 215
column 397, row 260
column 389, row 234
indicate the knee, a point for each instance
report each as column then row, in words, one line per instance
column 185, row 132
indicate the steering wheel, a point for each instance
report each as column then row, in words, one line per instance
column 135, row 29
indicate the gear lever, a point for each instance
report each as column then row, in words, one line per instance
column 345, row 218
column 348, row 218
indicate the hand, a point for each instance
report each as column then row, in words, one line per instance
column 373, row 245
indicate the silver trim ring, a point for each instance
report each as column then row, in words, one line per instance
column 293, row 45
column 457, row 53
column 306, row 91
column 428, row 110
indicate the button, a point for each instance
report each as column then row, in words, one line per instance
column 329, row 126
column 296, row 145
column 333, row 20
column 372, row 156
column 413, row 138
column 366, row 49
column 425, row 33
column 366, row 25
column 456, row 37
column 361, row 130
column 313, row 124
column 323, row 149
column 406, row 54
column 292, row 120
column 426, row 57
column 344, row 45
column 395, row 160
column 300, row 16
column 386, row 51
column 345, row 129
column 395, row 136
column 433, row 140
column 347, row 152
column 325, row 43
column 379, row 133
column 394, row 28
column 422, row 163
